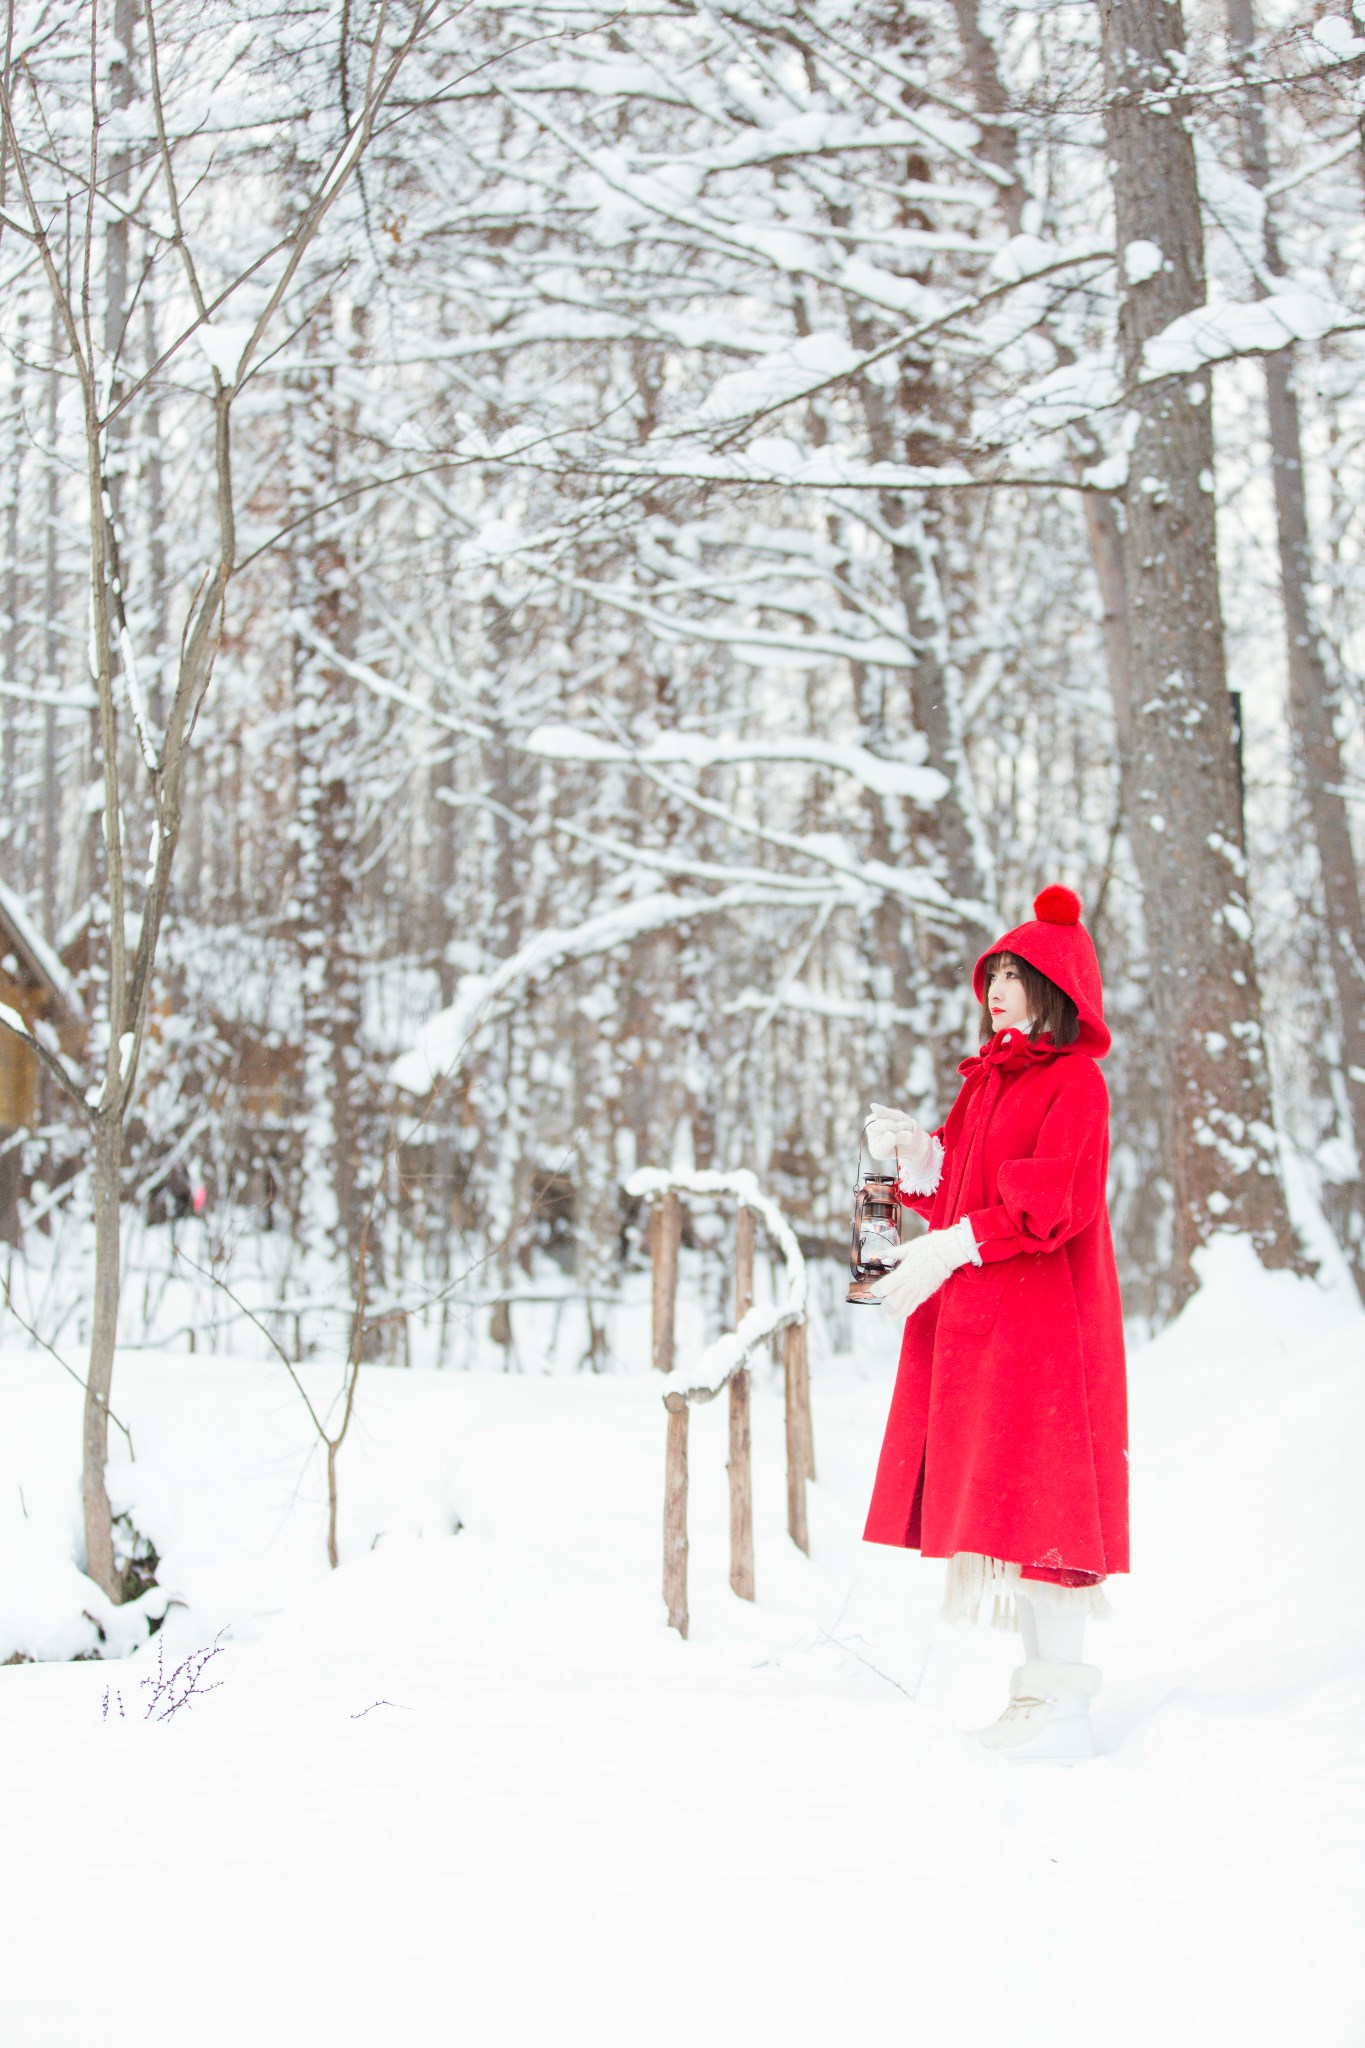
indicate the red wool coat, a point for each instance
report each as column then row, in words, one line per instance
column 1008, row 1426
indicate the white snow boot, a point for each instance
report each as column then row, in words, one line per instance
column 1048, row 1717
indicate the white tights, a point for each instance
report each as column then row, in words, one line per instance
column 1053, row 1634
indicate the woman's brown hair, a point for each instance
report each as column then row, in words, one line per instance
column 1050, row 1008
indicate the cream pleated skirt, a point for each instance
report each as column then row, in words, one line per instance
column 985, row 1589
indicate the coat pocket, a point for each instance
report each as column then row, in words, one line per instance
column 971, row 1299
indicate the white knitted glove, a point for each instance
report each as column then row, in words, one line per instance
column 923, row 1265
column 892, row 1132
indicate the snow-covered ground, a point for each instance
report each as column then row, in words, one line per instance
column 469, row 1789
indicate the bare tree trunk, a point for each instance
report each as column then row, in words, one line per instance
column 1105, row 535
column 1000, row 144
column 934, row 707
column 441, row 878
column 9, row 706
column 328, row 928
column 1103, row 530
column 99, row 1533
column 931, row 693
column 104, row 451
column 740, row 1467
column 51, row 596
column 156, row 546
column 1186, row 825
column 919, row 589
column 1313, row 704
column 108, row 1119
column 896, row 433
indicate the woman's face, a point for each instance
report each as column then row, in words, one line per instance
column 1005, row 998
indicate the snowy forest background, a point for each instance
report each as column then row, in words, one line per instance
column 564, row 568
column 584, row 558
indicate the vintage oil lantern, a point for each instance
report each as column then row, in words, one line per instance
column 876, row 1230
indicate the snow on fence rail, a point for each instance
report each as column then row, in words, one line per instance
column 725, row 1363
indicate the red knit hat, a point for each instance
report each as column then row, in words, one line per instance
column 1059, row 946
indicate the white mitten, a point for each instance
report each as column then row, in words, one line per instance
column 891, row 1131
column 922, row 1267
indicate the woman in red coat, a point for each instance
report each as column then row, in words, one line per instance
column 1006, row 1445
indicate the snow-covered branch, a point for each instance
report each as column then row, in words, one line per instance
column 1216, row 333
column 444, row 1040
column 700, row 750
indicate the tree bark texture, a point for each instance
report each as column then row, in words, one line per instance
column 1103, row 529
column 1185, row 824
column 1000, row 141
column 1313, row 704
column 330, row 926
column 895, row 434
column 13, row 634
column 51, row 644
column 1104, row 532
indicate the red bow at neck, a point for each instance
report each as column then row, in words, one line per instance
column 1009, row 1050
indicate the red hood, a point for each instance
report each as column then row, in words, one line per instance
column 1056, row 942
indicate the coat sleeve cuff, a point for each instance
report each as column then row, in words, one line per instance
column 924, row 1178
column 966, row 1237
column 994, row 1232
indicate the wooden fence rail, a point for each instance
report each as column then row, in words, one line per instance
column 726, row 1364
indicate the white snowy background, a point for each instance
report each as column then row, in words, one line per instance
column 668, row 626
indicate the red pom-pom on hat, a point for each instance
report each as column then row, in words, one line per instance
column 1056, row 942
column 1057, row 905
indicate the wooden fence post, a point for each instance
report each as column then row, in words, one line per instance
column 803, row 1398
column 675, row 1514
column 665, row 1232
column 796, row 1442
column 739, row 1466
column 744, row 1263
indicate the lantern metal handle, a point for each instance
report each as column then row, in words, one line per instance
column 858, row 1162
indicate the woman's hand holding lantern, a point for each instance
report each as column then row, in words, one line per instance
column 891, row 1133
column 923, row 1265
